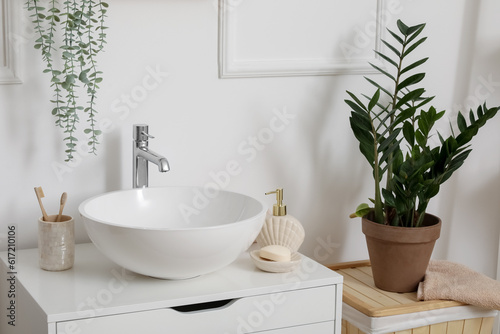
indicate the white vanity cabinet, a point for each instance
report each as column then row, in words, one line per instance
column 96, row 296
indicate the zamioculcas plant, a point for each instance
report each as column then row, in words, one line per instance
column 71, row 33
column 393, row 129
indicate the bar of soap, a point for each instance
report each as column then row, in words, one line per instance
column 275, row 253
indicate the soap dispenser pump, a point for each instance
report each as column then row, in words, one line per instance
column 278, row 209
column 281, row 228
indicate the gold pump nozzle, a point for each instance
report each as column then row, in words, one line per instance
column 278, row 209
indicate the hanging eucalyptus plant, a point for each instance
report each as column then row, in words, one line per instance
column 70, row 36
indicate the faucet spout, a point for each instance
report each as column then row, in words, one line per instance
column 142, row 155
column 163, row 165
column 151, row 156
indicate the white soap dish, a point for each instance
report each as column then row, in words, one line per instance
column 275, row 267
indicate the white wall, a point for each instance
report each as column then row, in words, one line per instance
column 201, row 122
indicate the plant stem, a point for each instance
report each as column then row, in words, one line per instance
column 391, row 129
column 378, row 209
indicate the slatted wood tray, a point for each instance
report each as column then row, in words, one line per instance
column 359, row 292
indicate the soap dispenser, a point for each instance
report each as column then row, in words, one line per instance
column 281, row 228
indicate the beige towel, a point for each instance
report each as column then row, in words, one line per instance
column 453, row 281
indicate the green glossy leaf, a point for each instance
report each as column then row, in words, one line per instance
column 391, row 140
column 423, row 101
column 392, row 149
column 421, row 139
column 396, row 37
column 415, row 29
column 413, row 46
column 402, row 27
column 461, row 123
column 389, row 198
column 355, row 107
column 367, row 151
column 404, row 115
column 384, row 72
column 411, row 80
column 362, row 121
column 409, row 133
column 387, row 59
column 361, row 134
column 374, row 100
column 415, row 34
column 480, row 112
column 362, row 210
column 378, row 86
column 414, row 65
column 413, row 95
column 392, row 48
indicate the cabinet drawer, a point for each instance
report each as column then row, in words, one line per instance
column 245, row 315
column 320, row 328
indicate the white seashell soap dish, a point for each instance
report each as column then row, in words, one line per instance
column 282, row 234
column 273, row 266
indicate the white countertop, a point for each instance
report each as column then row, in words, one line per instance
column 95, row 286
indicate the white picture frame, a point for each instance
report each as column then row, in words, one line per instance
column 9, row 54
column 233, row 65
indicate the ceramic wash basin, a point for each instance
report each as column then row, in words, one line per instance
column 172, row 232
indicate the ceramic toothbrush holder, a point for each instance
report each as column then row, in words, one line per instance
column 56, row 243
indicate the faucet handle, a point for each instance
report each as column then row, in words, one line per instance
column 147, row 134
column 141, row 132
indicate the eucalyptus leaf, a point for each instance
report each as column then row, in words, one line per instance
column 77, row 52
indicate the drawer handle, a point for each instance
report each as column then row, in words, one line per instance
column 207, row 306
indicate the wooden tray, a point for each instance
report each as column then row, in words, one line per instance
column 360, row 292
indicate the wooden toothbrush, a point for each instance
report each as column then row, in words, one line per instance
column 40, row 195
column 64, row 196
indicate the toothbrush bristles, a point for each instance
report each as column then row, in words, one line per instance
column 39, row 191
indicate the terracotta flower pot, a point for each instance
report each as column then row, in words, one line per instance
column 399, row 255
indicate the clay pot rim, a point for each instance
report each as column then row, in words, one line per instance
column 401, row 234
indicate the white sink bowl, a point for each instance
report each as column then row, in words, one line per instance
column 172, row 232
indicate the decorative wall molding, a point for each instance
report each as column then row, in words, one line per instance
column 9, row 70
column 233, row 62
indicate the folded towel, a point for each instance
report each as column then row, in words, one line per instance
column 453, row 281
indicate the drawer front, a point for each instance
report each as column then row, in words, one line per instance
column 245, row 315
column 321, row 328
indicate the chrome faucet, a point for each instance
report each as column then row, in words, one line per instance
column 142, row 154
